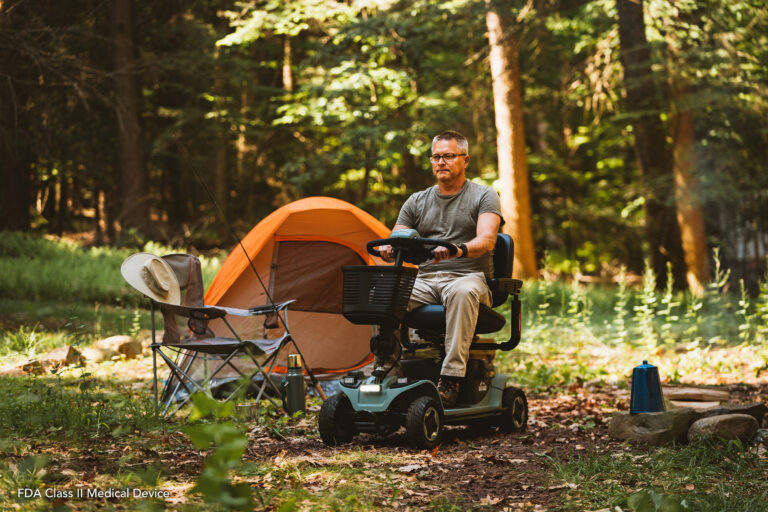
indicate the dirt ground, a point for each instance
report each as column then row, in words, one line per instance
column 491, row 470
column 470, row 469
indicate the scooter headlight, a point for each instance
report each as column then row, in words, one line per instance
column 370, row 388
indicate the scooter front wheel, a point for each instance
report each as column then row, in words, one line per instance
column 424, row 423
column 514, row 416
column 336, row 421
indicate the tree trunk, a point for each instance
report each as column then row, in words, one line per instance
column 644, row 104
column 287, row 72
column 687, row 202
column 510, row 139
column 222, row 145
column 15, row 189
column 131, row 164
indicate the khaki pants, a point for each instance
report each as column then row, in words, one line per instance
column 461, row 294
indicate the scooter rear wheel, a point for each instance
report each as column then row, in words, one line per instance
column 424, row 423
column 336, row 421
column 514, row 417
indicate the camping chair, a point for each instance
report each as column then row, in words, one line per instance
column 217, row 353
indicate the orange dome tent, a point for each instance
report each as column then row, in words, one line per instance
column 298, row 252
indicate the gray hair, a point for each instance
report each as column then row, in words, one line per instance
column 453, row 135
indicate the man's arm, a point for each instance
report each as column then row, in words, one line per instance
column 485, row 236
column 484, row 241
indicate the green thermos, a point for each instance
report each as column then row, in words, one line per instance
column 293, row 386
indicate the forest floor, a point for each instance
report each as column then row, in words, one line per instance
column 563, row 461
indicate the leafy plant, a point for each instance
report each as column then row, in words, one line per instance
column 228, row 443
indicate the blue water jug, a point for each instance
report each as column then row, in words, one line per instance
column 646, row 390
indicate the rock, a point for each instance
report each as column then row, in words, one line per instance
column 727, row 426
column 11, row 371
column 98, row 355
column 755, row 409
column 146, row 337
column 762, row 436
column 656, row 428
column 62, row 356
column 125, row 345
column 32, row 366
column 699, row 406
column 696, row 394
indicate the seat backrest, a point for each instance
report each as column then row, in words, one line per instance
column 503, row 259
column 188, row 272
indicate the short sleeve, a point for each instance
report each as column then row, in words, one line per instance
column 407, row 215
column 489, row 202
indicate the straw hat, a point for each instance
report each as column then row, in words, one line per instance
column 153, row 277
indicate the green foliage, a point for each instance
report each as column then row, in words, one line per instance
column 653, row 501
column 228, row 443
column 670, row 479
column 73, row 408
column 34, row 268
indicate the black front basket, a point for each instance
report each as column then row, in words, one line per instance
column 377, row 295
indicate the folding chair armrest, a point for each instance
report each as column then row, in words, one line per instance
column 204, row 312
column 270, row 308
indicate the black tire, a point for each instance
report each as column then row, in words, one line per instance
column 424, row 423
column 336, row 421
column 514, row 416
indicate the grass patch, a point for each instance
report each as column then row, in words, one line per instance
column 71, row 407
column 35, row 268
column 710, row 476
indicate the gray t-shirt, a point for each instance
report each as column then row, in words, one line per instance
column 452, row 218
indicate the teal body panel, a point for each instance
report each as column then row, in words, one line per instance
column 379, row 402
column 491, row 402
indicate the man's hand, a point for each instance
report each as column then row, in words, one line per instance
column 387, row 253
column 441, row 253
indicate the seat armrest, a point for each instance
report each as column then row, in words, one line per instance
column 505, row 284
column 270, row 308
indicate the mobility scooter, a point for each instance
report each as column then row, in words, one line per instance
column 386, row 400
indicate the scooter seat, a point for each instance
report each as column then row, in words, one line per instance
column 432, row 318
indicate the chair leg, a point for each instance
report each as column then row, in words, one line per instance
column 183, row 379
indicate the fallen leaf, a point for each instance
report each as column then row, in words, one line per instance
column 489, row 501
column 690, row 487
column 410, row 468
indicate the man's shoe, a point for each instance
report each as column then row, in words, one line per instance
column 448, row 388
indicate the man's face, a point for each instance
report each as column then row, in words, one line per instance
column 448, row 171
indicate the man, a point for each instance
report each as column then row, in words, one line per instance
column 467, row 215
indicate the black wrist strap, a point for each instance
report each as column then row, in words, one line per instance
column 463, row 248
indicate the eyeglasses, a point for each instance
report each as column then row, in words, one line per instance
column 448, row 157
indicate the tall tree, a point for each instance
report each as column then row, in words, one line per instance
column 510, row 135
column 134, row 195
column 687, row 196
column 644, row 103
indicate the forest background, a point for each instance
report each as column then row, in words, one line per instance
column 616, row 131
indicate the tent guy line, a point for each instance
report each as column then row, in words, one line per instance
column 233, row 235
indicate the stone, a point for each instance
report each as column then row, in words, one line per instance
column 696, row 394
column 125, row 345
column 98, row 355
column 699, row 406
column 146, row 337
column 11, row 371
column 757, row 410
column 762, row 436
column 62, row 356
column 728, row 426
column 655, row 428
column 32, row 366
